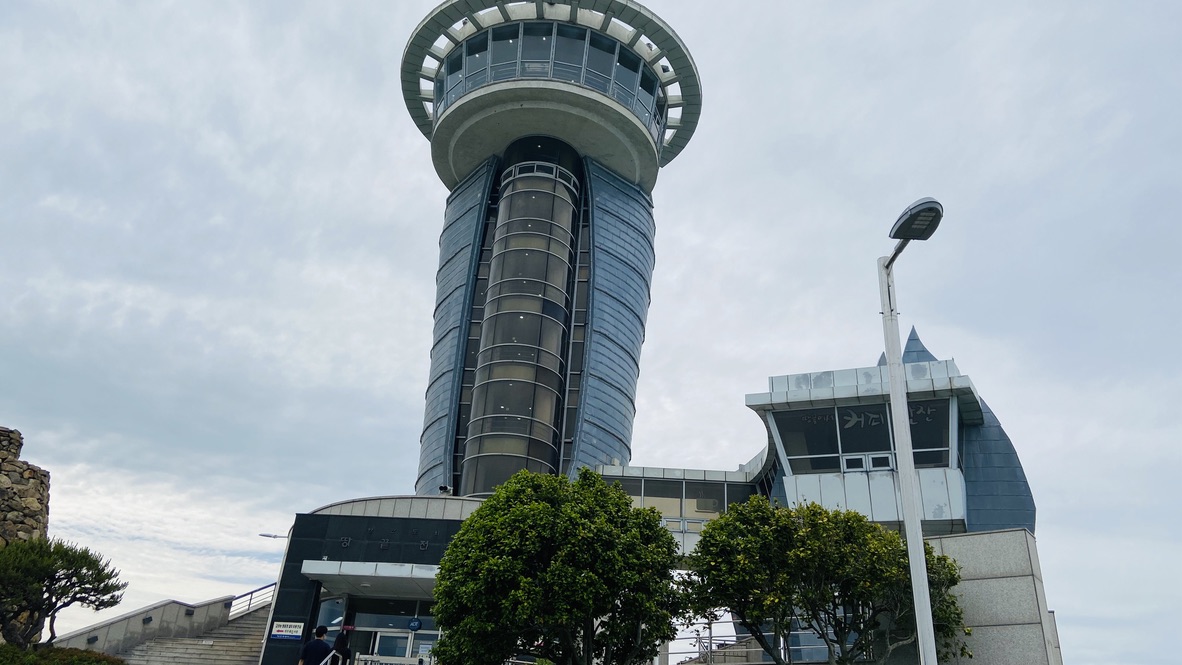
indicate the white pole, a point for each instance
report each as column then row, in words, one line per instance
column 908, row 481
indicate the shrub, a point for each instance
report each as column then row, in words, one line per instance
column 10, row 655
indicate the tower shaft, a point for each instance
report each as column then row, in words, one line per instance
column 549, row 122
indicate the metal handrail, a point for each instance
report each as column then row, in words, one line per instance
column 252, row 600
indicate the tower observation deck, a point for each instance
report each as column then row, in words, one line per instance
column 548, row 122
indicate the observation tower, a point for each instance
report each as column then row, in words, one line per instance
column 548, row 122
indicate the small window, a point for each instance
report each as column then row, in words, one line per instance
column 857, row 463
column 880, row 462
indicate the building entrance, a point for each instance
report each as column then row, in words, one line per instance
column 402, row 646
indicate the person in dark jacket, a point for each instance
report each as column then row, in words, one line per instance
column 317, row 650
column 341, row 653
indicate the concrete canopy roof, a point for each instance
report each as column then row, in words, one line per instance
column 453, row 21
column 363, row 578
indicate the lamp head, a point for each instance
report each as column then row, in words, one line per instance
column 918, row 221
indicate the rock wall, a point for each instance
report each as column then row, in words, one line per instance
column 24, row 493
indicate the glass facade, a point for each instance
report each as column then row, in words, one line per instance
column 460, row 281
column 516, row 411
column 859, row 438
column 543, row 291
column 555, row 51
column 621, row 259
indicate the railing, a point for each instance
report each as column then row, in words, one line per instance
column 167, row 618
column 252, row 600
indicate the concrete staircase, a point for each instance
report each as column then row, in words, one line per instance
column 237, row 643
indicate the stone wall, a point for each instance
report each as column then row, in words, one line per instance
column 24, row 493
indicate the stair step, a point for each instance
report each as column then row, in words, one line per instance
column 238, row 643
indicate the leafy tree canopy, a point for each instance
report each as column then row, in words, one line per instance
column 569, row 572
column 39, row 578
column 832, row 571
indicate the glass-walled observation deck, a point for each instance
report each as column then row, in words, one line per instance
column 558, row 52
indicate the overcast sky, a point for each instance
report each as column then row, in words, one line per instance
column 218, row 240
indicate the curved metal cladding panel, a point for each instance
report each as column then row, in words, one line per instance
column 997, row 495
column 622, row 260
column 459, row 251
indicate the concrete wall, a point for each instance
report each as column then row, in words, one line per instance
column 168, row 618
column 1001, row 592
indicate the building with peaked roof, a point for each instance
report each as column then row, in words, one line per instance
column 825, row 426
column 830, row 442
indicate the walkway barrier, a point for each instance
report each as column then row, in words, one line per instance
column 167, row 618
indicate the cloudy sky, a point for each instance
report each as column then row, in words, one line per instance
column 218, row 237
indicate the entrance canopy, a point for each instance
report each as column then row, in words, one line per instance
column 360, row 578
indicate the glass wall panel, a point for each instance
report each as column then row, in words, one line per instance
column 931, row 458
column 394, row 645
column 523, row 264
column 497, row 444
column 647, row 93
column 929, row 423
column 560, row 51
column 627, row 76
column 476, row 61
column 601, row 60
column 864, row 429
column 569, row 52
column 631, row 487
column 572, row 42
column 808, row 431
column 455, row 75
column 545, row 403
column 509, row 397
column 736, row 493
column 530, row 204
column 522, row 241
column 704, row 500
column 536, row 43
column 505, row 44
column 828, row 464
column 489, row 471
column 511, row 328
column 551, row 335
column 664, row 495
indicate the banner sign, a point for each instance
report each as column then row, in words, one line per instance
column 287, row 630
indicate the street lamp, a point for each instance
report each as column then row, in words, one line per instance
column 918, row 222
column 272, row 535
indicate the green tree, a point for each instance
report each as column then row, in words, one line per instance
column 834, row 572
column 569, row 572
column 39, row 578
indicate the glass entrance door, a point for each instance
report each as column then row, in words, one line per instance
column 392, row 644
column 406, row 644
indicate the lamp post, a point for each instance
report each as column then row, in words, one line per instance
column 918, row 222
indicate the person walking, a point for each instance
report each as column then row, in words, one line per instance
column 341, row 653
column 316, row 651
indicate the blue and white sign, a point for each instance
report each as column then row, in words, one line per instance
column 415, row 623
column 287, row 630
